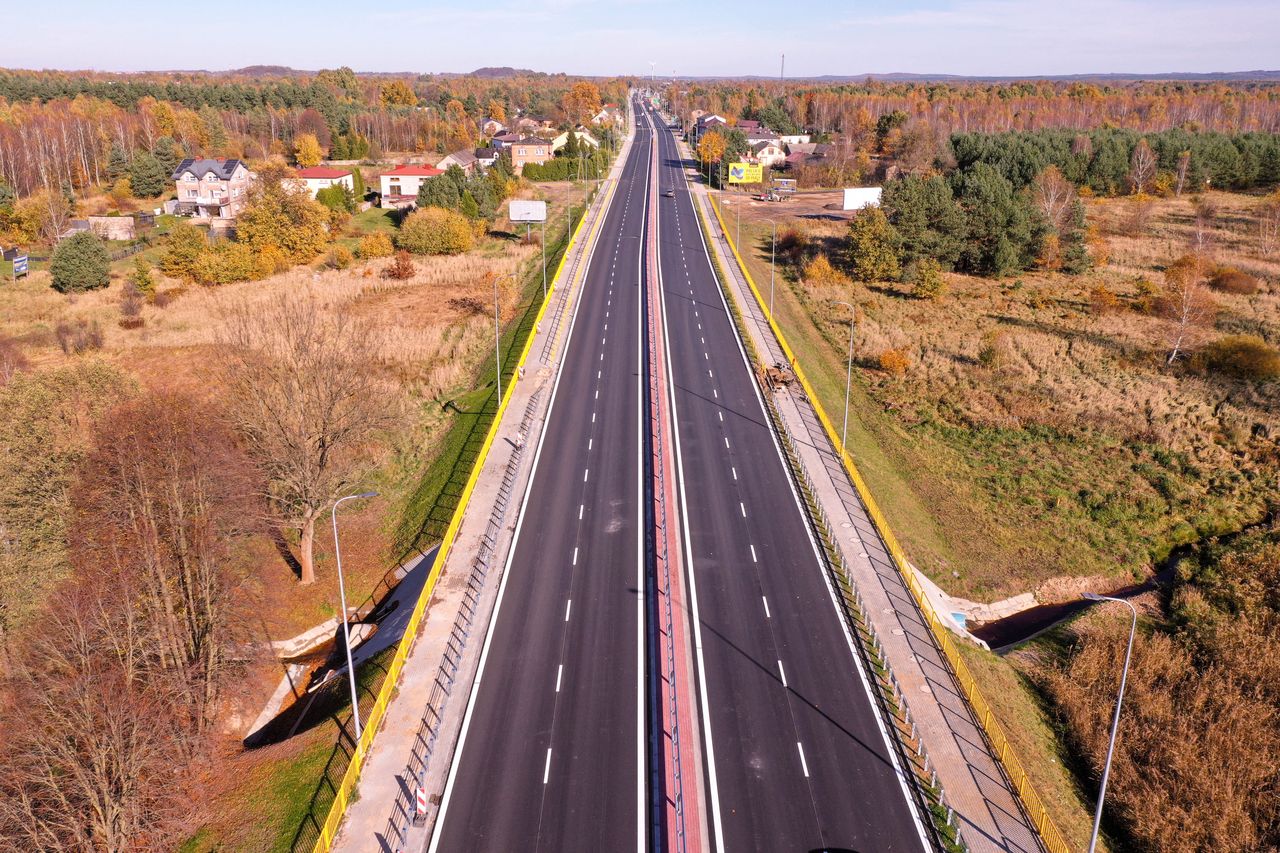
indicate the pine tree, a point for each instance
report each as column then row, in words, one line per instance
column 117, row 162
column 147, row 176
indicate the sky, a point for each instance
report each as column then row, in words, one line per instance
column 609, row 37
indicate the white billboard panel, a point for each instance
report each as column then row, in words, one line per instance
column 856, row 198
column 523, row 210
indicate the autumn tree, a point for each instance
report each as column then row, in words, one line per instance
column 397, row 93
column 581, row 102
column 183, row 248
column 1185, row 305
column 1180, row 175
column 307, row 401
column 496, row 110
column 280, row 217
column 306, row 150
column 711, row 147
column 873, row 247
column 1053, row 196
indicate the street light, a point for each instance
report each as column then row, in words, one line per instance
column 497, row 344
column 342, row 600
column 773, row 255
column 848, row 373
column 1115, row 719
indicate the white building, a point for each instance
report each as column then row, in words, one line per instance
column 319, row 178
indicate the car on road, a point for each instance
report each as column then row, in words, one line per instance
column 669, row 194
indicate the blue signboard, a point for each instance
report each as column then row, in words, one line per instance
column 19, row 266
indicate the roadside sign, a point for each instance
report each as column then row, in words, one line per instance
column 745, row 173
column 528, row 211
column 19, row 266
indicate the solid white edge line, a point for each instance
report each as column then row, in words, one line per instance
column 717, row 840
column 506, row 568
column 866, row 684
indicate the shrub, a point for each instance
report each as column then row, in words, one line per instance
column 995, row 348
column 182, row 252
column 375, row 246
column 131, row 307
column 228, row 262
column 339, row 258
column 12, row 359
column 80, row 263
column 926, row 279
column 141, row 277
column 75, row 338
column 1232, row 280
column 873, row 246
column 894, row 361
column 435, row 231
column 1103, row 300
column 1245, row 357
column 402, row 267
column 820, row 272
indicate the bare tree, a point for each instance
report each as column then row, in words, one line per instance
column 90, row 751
column 1054, row 195
column 156, row 506
column 307, row 400
column 1142, row 167
column 1202, row 228
column 1180, row 181
column 1269, row 224
column 1185, row 305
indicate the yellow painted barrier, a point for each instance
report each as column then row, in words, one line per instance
column 1031, row 801
column 342, row 796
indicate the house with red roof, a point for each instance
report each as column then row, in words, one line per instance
column 317, row 178
column 400, row 185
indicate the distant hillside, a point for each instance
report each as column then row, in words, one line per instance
column 265, row 71
column 502, row 71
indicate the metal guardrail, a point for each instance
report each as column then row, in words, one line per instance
column 424, row 741
column 1034, row 807
column 342, row 795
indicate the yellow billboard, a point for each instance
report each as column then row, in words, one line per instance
column 745, row 173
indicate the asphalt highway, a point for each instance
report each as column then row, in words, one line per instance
column 553, row 748
column 795, row 754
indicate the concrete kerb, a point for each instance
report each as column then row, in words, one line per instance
column 387, row 781
column 975, row 785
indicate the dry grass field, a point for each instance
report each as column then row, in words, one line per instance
column 1036, row 431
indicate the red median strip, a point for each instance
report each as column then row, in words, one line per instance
column 682, row 794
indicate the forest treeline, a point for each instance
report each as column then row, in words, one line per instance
column 59, row 131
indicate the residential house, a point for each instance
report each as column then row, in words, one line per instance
column 609, row 115
column 464, row 160
column 584, row 138
column 756, row 135
column 706, row 123
column 794, row 138
column 504, row 140
column 529, row 149
column 400, row 185
column 318, row 178
column 486, row 157
column 535, row 125
column 211, row 189
column 491, row 126
column 768, row 153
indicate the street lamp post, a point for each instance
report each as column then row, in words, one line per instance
column 497, row 331
column 773, row 255
column 848, row 373
column 1115, row 719
column 342, row 600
